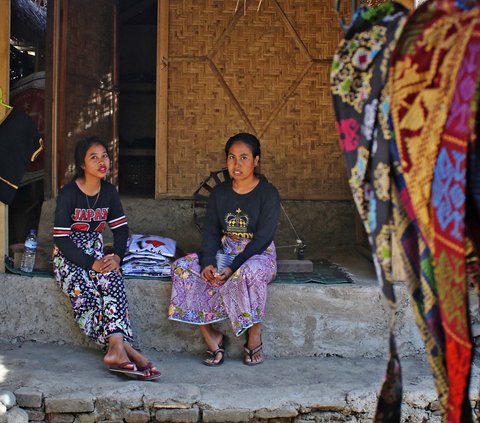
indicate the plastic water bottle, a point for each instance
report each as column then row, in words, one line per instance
column 30, row 249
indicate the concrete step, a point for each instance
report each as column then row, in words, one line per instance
column 62, row 383
column 307, row 319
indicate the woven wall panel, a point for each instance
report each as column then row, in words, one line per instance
column 201, row 118
column 88, row 113
column 88, row 109
column 316, row 23
column 260, row 61
column 301, row 150
column 87, row 28
column 195, row 25
column 267, row 73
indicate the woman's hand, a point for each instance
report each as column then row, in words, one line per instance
column 215, row 278
column 223, row 275
column 108, row 263
column 208, row 274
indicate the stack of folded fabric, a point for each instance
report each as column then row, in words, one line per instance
column 148, row 255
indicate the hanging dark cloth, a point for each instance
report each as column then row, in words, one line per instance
column 358, row 82
column 20, row 143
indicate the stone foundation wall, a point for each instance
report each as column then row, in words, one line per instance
column 26, row 405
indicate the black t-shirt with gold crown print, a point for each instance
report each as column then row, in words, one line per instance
column 253, row 216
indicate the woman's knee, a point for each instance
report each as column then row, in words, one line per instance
column 190, row 260
column 254, row 266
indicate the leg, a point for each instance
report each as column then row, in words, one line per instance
column 116, row 353
column 214, row 340
column 191, row 298
column 81, row 288
column 254, row 345
column 114, row 305
column 244, row 295
column 116, row 319
column 191, row 302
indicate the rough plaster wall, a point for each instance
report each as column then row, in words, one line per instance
column 322, row 225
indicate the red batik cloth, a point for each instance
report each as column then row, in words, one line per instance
column 434, row 75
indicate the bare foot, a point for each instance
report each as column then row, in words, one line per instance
column 214, row 340
column 254, row 344
column 116, row 353
column 142, row 363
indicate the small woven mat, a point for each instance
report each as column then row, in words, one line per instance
column 34, row 273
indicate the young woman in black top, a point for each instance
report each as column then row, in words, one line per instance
column 228, row 279
column 92, row 280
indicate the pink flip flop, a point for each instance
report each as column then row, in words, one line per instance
column 154, row 374
column 134, row 373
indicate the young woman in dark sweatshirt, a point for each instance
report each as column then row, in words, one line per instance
column 93, row 281
column 228, row 279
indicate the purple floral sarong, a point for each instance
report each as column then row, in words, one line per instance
column 241, row 298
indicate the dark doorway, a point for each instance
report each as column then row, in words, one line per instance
column 137, row 97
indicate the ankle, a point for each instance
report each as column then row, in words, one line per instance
column 254, row 338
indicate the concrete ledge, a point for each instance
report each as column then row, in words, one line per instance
column 280, row 390
column 348, row 320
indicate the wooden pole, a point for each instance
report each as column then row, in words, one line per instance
column 5, row 85
column 161, row 131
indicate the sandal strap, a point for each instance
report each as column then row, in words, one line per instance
column 253, row 351
column 147, row 366
column 214, row 353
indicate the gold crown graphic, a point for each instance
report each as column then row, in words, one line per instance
column 236, row 222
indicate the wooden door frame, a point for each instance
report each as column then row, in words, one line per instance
column 161, row 121
column 53, row 97
column 5, row 85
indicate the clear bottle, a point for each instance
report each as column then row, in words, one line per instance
column 30, row 249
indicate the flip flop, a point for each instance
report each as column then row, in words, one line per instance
column 154, row 374
column 220, row 350
column 214, row 354
column 134, row 373
column 249, row 353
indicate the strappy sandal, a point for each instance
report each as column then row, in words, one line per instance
column 250, row 353
column 219, row 350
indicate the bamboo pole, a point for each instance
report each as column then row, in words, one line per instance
column 161, row 131
column 5, row 85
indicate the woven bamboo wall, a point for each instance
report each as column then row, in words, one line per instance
column 265, row 72
column 87, row 106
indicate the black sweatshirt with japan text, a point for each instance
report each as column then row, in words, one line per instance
column 75, row 213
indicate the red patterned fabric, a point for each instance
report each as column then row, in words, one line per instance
column 434, row 77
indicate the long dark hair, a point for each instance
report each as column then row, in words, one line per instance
column 249, row 139
column 81, row 151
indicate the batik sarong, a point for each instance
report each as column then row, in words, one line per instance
column 358, row 82
column 98, row 300
column 434, row 77
column 241, row 298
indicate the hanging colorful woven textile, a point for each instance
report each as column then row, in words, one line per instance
column 433, row 79
column 358, row 77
